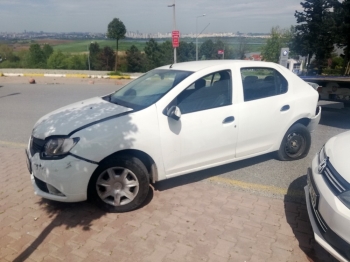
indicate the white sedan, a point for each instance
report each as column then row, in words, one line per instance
column 171, row 121
column 328, row 196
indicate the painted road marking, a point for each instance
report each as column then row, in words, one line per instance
column 257, row 187
column 12, row 144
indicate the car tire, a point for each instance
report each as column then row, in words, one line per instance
column 295, row 144
column 119, row 184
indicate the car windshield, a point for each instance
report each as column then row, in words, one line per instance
column 148, row 88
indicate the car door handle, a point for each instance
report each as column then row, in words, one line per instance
column 285, row 108
column 228, row 119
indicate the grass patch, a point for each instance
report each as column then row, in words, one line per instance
column 115, row 73
column 82, row 46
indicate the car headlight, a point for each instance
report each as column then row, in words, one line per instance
column 59, row 146
column 322, row 155
column 345, row 198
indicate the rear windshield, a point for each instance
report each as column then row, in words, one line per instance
column 148, row 88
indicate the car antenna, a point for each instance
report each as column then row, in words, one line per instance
column 171, row 66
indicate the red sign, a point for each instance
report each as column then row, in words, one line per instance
column 176, row 38
column 221, row 52
column 175, row 33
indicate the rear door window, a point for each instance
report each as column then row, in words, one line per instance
column 261, row 82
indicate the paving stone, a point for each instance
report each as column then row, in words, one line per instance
column 284, row 242
column 197, row 221
column 159, row 254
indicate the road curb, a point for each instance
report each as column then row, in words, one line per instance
column 65, row 75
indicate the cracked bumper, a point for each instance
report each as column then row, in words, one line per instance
column 64, row 180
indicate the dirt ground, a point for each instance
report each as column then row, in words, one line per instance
column 52, row 42
column 61, row 80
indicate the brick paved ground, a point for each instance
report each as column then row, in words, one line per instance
column 193, row 222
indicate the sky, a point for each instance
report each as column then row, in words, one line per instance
column 147, row 16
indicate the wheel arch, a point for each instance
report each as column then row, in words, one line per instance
column 304, row 121
column 146, row 159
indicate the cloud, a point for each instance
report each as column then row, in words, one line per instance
column 146, row 15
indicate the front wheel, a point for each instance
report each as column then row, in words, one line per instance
column 120, row 184
column 295, row 144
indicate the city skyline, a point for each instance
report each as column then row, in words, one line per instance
column 129, row 34
column 150, row 16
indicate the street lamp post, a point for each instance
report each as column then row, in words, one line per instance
column 197, row 35
column 174, row 27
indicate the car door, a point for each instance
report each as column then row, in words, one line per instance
column 266, row 109
column 206, row 132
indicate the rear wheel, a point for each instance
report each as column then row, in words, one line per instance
column 119, row 184
column 295, row 144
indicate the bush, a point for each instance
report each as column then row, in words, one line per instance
column 330, row 71
column 115, row 73
column 9, row 64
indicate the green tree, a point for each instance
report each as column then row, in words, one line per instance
column 206, row 50
column 314, row 34
column 342, row 18
column 209, row 50
column 23, row 56
column 36, row 57
column 57, row 60
column 135, row 60
column 106, row 58
column 6, row 54
column 186, row 52
column 242, row 48
column 94, row 51
column 278, row 38
column 116, row 30
column 220, row 45
column 48, row 50
column 153, row 54
column 76, row 62
column 166, row 53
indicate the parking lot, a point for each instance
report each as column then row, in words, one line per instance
column 253, row 210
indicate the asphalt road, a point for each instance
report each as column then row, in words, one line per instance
column 21, row 105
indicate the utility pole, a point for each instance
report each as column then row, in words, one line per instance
column 197, row 35
column 88, row 56
column 174, row 27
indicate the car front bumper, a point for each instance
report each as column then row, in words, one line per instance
column 64, row 180
column 329, row 217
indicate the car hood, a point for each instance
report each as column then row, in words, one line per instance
column 338, row 151
column 65, row 120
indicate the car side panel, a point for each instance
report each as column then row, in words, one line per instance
column 138, row 130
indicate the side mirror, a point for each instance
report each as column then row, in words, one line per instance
column 174, row 112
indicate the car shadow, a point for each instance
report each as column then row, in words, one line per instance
column 210, row 172
column 70, row 215
column 298, row 219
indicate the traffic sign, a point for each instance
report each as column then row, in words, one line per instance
column 175, row 33
column 176, row 38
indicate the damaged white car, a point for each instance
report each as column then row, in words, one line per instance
column 171, row 121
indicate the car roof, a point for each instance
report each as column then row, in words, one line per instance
column 195, row 66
